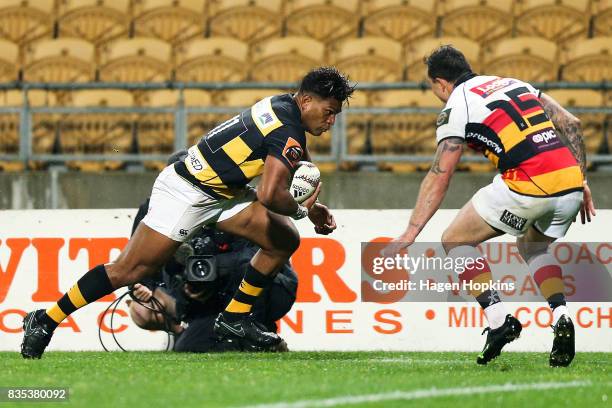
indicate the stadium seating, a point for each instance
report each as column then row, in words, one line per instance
column 589, row 60
column 212, row 60
column 279, row 40
column 59, row 60
column 554, row 20
column 246, row 20
column 96, row 21
column 136, row 60
column 286, row 59
column 402, row 21
column 107, row 133
column 171, row 21
column 602, row 18
column 9, row 55
column 370, row 59
column 9, row 125
column 322, row 20
column 22, row 21
column 479, row 20
column 417, row 50
column 358, row 125
column 527, row 58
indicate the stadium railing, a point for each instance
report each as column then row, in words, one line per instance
column 338, row 150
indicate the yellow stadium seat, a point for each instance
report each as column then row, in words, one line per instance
column 400, row 20
column 244, row 98
column 97, row 133
column 602, row 17
column 479, row 20
column 200, row 123
column 416, row 51
column 59, row 60
column 218, row 59
column 96, row 21
column 9, row 124
column 554, row 20
column 322, row 20
column 570, row 98
column 9, row 55
column 356, row 124
column 369, row 59
column 172, row 21
column 22, row 21
column 592, row 124
column 286, row 59
column 136, row 60
column 246, row 20
column 527, row 58
column 589, row 60
column 405, row 133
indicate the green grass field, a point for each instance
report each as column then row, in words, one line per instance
column 303, row 379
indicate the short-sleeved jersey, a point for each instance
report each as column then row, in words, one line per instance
column 229, row 156
column 504, row 119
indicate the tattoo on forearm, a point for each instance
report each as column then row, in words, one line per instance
column 452, row 144
column 569, row 131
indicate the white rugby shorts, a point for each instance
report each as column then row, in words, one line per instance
column 514, row 213
column 177, row 208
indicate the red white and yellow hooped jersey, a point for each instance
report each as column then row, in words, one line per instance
column 504, row 119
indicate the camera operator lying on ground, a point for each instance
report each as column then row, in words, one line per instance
column 199, row 282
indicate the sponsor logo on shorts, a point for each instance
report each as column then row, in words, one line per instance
column 513, row 220
column 443, row 117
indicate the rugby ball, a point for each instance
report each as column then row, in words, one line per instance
column 306, row 178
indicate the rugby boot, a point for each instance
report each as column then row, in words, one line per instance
column 563, row 349
column 498, row 338
column 251, row 335
column 36, row 335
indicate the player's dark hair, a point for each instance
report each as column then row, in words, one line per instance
column 448, row 63
column 327, row 82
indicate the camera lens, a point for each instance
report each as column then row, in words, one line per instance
column 200, row 268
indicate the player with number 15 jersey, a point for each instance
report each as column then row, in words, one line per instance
column 504, row 119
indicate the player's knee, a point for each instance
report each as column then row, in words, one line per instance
column 123, row 273
column 449, row 240
column 529, row 250
column 291, row 238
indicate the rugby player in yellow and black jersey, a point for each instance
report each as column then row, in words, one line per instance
column 210, row 188
column 537, row 147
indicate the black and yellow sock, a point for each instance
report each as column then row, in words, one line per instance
column 91, row 287
column 253, row 283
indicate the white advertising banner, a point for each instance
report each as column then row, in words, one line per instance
column 44, row 252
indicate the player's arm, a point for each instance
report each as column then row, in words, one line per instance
column 319, row 214
column 569, row 130
column 434, row 186
column 273, row 189
column 568, row 127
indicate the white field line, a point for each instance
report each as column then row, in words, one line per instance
column 421, row 394
column 408, row 360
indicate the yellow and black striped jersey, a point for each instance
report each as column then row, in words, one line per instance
column 233, row 153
